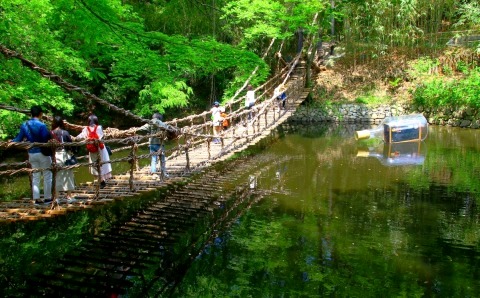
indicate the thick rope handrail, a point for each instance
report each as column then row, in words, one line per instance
column 72, row 88
column 134, row 139
column 66, row 85
column 193, row 135
column 194, row 139
column 252, row 74
column 227, row 104
column 190, row 118
column 232, row 116
column 113, row 132
column 48, row 117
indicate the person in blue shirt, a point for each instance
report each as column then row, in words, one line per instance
column 157, row 140
column 34, row 130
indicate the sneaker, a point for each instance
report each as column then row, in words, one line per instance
column 59, row 200
column 40, row 201
column 103, row 184
column 71, row 200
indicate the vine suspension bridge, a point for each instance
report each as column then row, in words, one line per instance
column 105, row 265
column 191, row 151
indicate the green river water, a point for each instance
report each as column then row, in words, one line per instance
column 345, row 225
column 339, row 218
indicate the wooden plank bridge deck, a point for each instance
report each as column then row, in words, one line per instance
column 235, row 139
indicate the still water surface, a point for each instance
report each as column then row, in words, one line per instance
column 344, row 221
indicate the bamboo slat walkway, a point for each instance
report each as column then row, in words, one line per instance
column 196, row 153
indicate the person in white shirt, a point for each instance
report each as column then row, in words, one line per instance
column 217, row 120
column 250, row 100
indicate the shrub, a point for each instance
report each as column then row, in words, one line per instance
column 439, row 92
column 422, row 67
column 371, row 99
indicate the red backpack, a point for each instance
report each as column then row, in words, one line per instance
column 92, row 134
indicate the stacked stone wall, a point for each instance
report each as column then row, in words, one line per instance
column 466, row 117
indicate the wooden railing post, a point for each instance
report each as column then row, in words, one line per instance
column 187, row 156
column 98, row 165
column 266, row 120
column 205, row 128
column 162, row 158
column 30, row 177
column 209, row 142
column 175, row 124
column 133, row 161
column 54, row 170
column 257, row 123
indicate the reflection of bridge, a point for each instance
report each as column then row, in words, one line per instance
column 149, row 254
column 113, row 262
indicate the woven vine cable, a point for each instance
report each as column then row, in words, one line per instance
column 72, row 88
column 136, row 139
column 115, row 133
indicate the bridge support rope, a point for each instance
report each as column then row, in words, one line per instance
column 192, row 152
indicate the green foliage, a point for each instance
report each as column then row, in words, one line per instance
column 447, row 70
column 159, row 96
column 257, row 19
column 372, row 99
column 103, row 47
column 22, row 88
column 422, row 67
column 434, row 89
column 378, row 27
column 395, row 83
column 469, row 15
column 463, row 67
column 249, row 21
column 437, row 91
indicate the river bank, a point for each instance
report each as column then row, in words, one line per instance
column 465, row 117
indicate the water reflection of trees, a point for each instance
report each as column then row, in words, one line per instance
column 412, row 231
